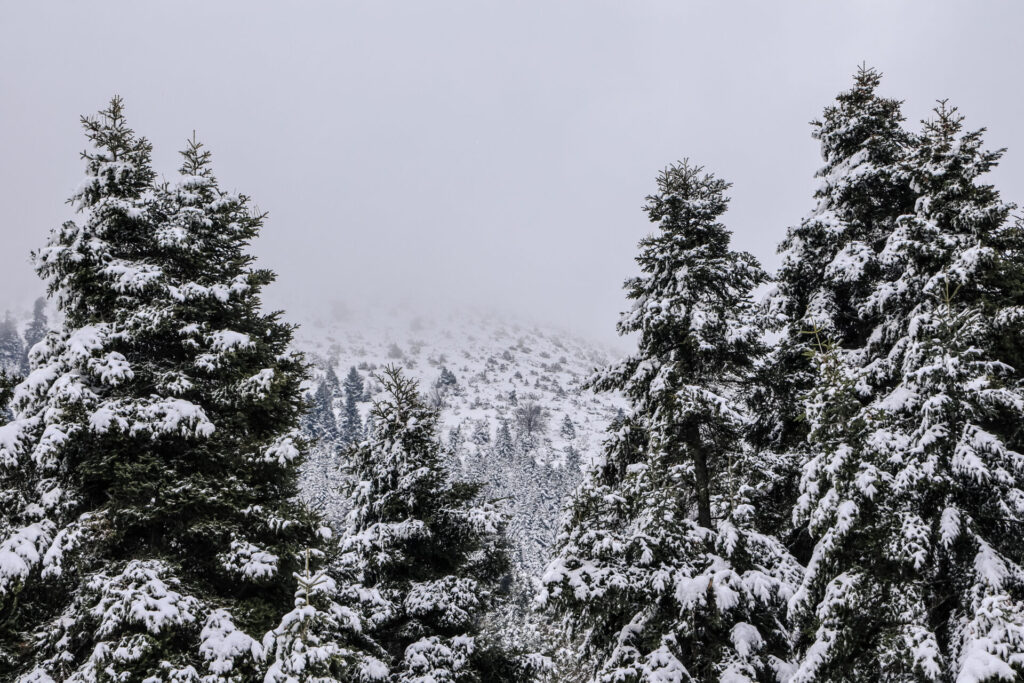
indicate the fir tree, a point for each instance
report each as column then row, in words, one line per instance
column 351, row 426
column 830, row 264
column 504, row 447
column 915, row 496
column 322, row 424
column 309, row 644
column 658, row 572
column 148, row 478
column 447, row 379
column 568, row 429
column 456, row 442
column 429, row 551
column 481, row 435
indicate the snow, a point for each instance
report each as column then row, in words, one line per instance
column 112, row 368
column 248, row 561
column 21, row 552
column 222, row 644
column 746, row 638
column 229, row 340
column 282, row 451
column 139, row 595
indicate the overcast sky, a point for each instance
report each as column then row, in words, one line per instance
column 489, row 153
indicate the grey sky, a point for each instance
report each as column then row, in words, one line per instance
column 491, row 153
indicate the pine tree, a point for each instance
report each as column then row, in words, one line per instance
column 309, row 645
column 504, row 447
column 481, row 435
column 456, row 442
column 830, row 264
column 568, row 429
column 658, row 572
column 916, row 494
column 320, row 425
column 429, row 551
column 11, row 349
column 352, row 427
column 321, row 422
column 36, row 330
column 447, row 379
column 149, row 476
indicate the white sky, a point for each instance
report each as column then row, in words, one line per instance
column 493, row 153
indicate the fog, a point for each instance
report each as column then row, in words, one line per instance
column 492, row 154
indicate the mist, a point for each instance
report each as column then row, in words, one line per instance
column 482, row 154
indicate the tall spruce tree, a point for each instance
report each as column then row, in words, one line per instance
column 915, row 496
column 430, row 553
column 149, row 529
column 659, row 574
column 830, row 264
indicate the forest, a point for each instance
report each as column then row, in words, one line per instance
column 816, row 475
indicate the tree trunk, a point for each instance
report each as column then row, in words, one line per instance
column 701, row 478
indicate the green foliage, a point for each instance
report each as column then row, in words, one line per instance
column 153, row 458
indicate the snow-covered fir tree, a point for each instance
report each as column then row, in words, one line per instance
column 430, row 553
column 309, row 645
column 915, row 496
column 322, row 420
column 321, row 470
column 568, row 429
column 658, row 573
column 148, row 479
column 829, row 267
column 503, row 446
column 351, row 423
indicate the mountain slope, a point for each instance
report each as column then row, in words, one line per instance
column 513, row 412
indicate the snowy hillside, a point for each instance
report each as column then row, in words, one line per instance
column 484, row 372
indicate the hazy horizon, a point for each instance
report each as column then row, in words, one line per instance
column 480, row 154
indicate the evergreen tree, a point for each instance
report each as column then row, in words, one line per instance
column 11, row 349
column 148, row 479
column 447, row 379
column 309, row 643
column 322, row 424
column 431, row 554
column 36, row 330
column 352, row 427
column 659, row 574
column 915, row 496
column 456, row 442
column 568, row 429
column 504, row 447
column 481, row 435
column 830, row 264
